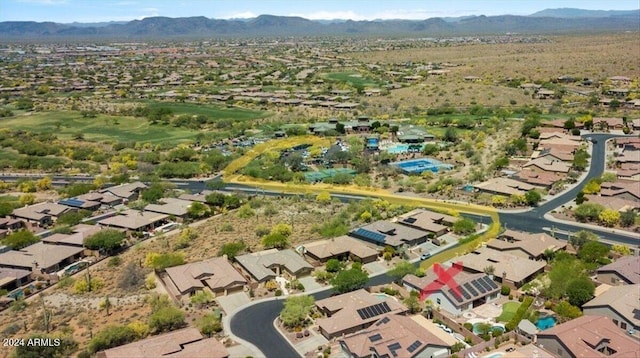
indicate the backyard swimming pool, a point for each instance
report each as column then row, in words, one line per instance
column 546, row 322
column 401, row 148
column 417, row 166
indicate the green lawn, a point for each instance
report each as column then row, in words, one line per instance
column 508, row 311
column 66, row 124
column 353, row 78
column 212, row 111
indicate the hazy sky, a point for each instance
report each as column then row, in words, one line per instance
column 66, row 11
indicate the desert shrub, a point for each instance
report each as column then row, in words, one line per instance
column 111, row 336
column 132, row 276
column 114, row 261
column 209, row 324
column 83, row 286
column 166, row 319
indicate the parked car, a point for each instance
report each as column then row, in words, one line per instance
column 425, row 256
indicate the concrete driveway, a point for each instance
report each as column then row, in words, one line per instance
column 233, row 301
column 310, row 284
column 376, row 267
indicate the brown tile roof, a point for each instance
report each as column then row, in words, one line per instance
column 538, row 178
column 516, row 268
column 392, row 336
column 125, row 190
column 347, row 306
column 618, row 204
column 462, row 278
column 395, row 234
column 426, row 220
column 504, row 186
column 621, row 299
column 133, row 219
column 187, row 343
column 44, row 255
column 41, row 210
column 628, row 267
column 259, row 264
column 581, row 335
column 170, row 206
column 216, row 273
column 533, row 244
column 80, row 232
column 549, row 165
column 339, row 246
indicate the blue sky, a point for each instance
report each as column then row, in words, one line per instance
column 66, row 11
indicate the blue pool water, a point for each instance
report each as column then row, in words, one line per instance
column 400, row 148
column 546, row 323
column 417, row 166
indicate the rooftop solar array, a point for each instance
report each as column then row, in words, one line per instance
column 374, row 310
column 72, row 202
column 383, row 321
column 376, row 337
column 394, row 347
column 414, row 346
column 370, row 235
column 477, row 287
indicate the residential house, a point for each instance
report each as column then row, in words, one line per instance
column 267, row 265
column 200, row 197
column 105, row 199
column 78, row 234
column 129, row 191
column 629, row 190
column 628, row 157
column 187, row 342
column 615, row 203
column 41, row 257
column 394, row 336
column 503, row 186
column 176, row 208
column 411, row 134
column 473, row 290
column 431, row 222
column 588, row 336
column 10, row 224
column 538, row 178
column 628, row 143
column 526, row 245
column 608, row 123
column 544, row 93
column 41, row 214
column 386, row 233
column 81, row 204
column 623, row 271
column 544, row 164
column 620, row 303
column 340, row 248
column 215, row 274
column 353, row 311
column 134, row 220
column 10, row 279
column 629, row 171
column 508, row 269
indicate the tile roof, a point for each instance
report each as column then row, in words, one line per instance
column 132, row 219
column 392, row 336
column 390, row 233
column 259, row 263
column 504, row 186
column 170, row 206
column 516, row 268
column 624, row 300
column 533, row 244
column 79, row 233
column 581, row 335
column 40, row 210
column 347, row 306
column 472, row 286
column 187, row 342
column 216, row 273
column 125, row 190
column 44, row 255
column 628, row 267
column 550, row 165
column 338, row 246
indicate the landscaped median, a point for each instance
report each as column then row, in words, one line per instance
column 231, row 177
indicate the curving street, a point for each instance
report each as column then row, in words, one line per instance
column 264, row 336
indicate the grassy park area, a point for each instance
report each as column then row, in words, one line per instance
column 353, row 78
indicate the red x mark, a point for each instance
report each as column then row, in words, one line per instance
column 445, row 277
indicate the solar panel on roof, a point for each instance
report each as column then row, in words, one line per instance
column 376, row 337
column 490, row 282
column 373, row 310
column 394, row 347
column 464, row 292
column 455, row 295
column 470, row 289
column 414, row 346
column 383, row 321
column 370, row 235
column 478, row 286
column 72, row 202
column 484, row 284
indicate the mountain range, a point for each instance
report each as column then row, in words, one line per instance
column 543, row 22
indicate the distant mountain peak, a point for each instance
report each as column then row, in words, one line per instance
column 567, row 12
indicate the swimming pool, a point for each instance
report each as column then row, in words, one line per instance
column 546, row 322
column 417, row 166
column 401, row 148
column 495, row 355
